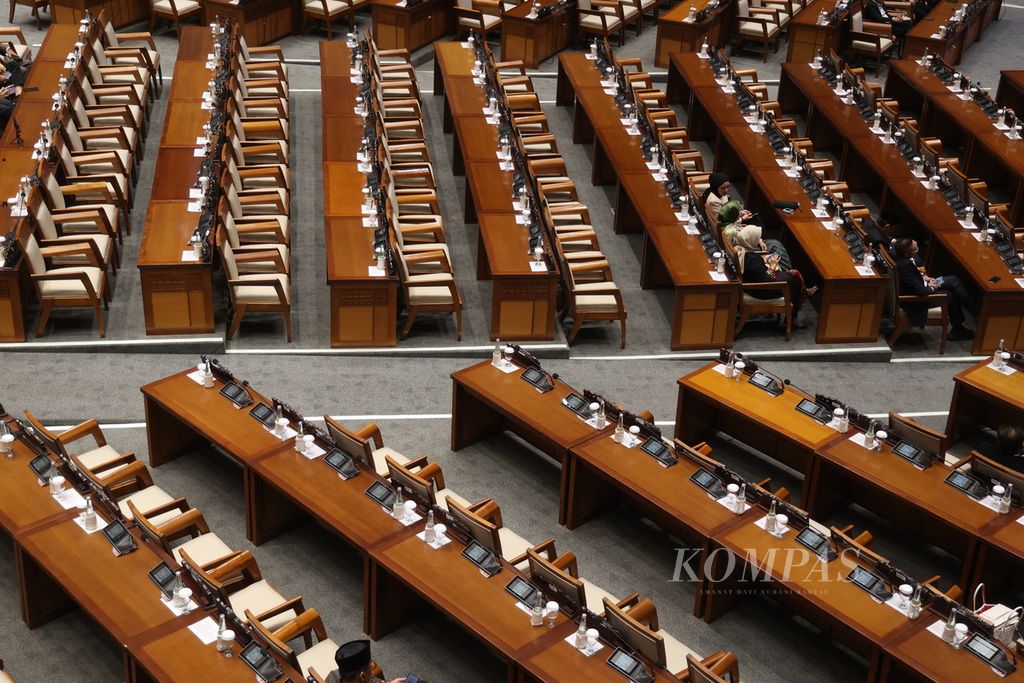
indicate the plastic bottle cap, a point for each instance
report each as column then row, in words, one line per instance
column 634, row 430
column 594, row 406
column 838, row 412
column 998, row 490
column 732, row 488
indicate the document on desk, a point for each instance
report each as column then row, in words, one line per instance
column 718, row 277
column 865, row 271
column 506, row 367
column 898, row 603
column 1005, row 370
column 598, row 646
column 100, row 523
column 1019, row 281
column 438, row 542
column 287, row 434
column 1020, row 520
column 70, row 498
column 196, row 377
column 858, row 439
column 178, row 611
column 990, row 501
column 188, row 256
column 727, row 503
column 314, row 452
column 205, row 630
column 780, row 530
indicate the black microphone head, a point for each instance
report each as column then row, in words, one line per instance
column 786, row 382
column 554, row 375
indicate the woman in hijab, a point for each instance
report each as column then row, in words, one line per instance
column 758, row 266
column 731, row 222
column 717, row 193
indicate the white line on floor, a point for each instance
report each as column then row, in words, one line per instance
column 385, row 351
column 940, row 359
column 1013, row 6
column 30, row 346
column 699, row 355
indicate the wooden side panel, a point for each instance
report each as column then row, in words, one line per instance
column 364, row 314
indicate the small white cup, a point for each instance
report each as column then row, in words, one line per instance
column 439, row 530
column 7, row 444
column 780, row 522
column 591, row 638
column 225, row 641
column 281, row 425
column 410, row 509
column 906, row 590
column 960, row 636
column 307, row 444
column 57, row 486
column 633, row 431
column 733, row 489
column 551, row 614
column 182, row 598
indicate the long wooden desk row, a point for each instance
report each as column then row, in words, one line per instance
column 677, row 32
column 523, row 300
column 596, row 472
column 364, row 308
column 705, row 307
column 952, row 46
column 401, row 572
column 870, row 165
column 16, row 290
column 851, row 302
column 988, row 153
column 177, row 294
column 1011, row 89
column 61, row 566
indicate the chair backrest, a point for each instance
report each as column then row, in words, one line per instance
column 36, row 263
column 639, row 637
column 269, row 641
column 230, row 267
column 584, row 4
column 917, row 434
column 47, row 228
column 742, row 8
column 569, row 587
column 147, row 527
column 48, row 438
column 349, row 442
column 482, row 531
column 857, row 21
column 420, row 488
column 699, row 673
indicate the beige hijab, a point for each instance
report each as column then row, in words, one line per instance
column 747, row 239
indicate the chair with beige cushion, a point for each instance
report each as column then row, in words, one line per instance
column 870, row 39
column 483, row 521
column 636, row 620
column 562, row 571
column 328, row 11
column 68, row 287
column 16, row 37
column 174, row 11
column 120, row 46
column 422, row 480
column 477, row 16
column 236, row 579
column 267, row 257
column 428, row 292
column 36, row 5
column 365, row 444
column 720, row 667
column 66, row 442
column 101, row 240
column 757, row 25
column 596, row 298
column 255, row 292
column 602, row 18
column 203, row 546
column 318, row 652
column 127, row 480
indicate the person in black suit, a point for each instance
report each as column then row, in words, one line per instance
column 875, row 11
column 12, row 76
column 914, row 282
column 757, row 265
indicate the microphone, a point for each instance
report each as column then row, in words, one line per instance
column 790, row 384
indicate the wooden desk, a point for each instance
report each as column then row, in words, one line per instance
column 705, row 309
column 710, row 402
column 1011, row 89
column 987, row 153
column 177, row 295
column 486, row 400
column 522, row 301
column 952, row 47
column 677, row 34
column 16, row 289
column 412, row 27
column 983, row 397
column 851, row 304
column 533, row 40
column 559, row 662
column 807, row 37
column 121, row 12
column 260, row 21
column 870, row 165
column 26, row 505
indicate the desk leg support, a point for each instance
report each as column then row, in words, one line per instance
column 388, row 602
column 585, row 494
column 582, row 128
column 167, row 437
column 268, row 512
column 42, row 598
column 471, row 418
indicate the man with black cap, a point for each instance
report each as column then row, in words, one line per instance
column 355, row 665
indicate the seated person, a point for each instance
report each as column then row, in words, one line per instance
column 717, row 193
column 882, row 231
column 915, row 282
column 758, row 266
column 356, row 666
column 874, row 11
column 731, row 221
column 1010, row 447
column 12, row 77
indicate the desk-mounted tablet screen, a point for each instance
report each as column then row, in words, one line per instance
column 990, row 653
column 629, row 666
column 577, row 405
column 708, row 482
column 966, row 483
column 657, row 449
column 264, row 414
column 341, row 463
column 163, row 577
column 817, row 543
column 257, row 659
column 235, row 394
column 869, row 583
column 119, row 537
column 912, row 453
column 381, row 493
column 765, row 381
column 482, row 558
column 538, row 379
column 814, row 410
column 41, row 466
column 522, row 590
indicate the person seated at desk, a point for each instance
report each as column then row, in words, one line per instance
column 12, row 77
column 914, row 281
column 758, row 266
column 882, row 231
column 1010, row 447
column 874, row 10
column 731, row 220
column 356, row 666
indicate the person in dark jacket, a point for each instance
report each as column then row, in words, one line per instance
column 916, row 283
column 1010, row 447
column 875, row 11
column 758, row 266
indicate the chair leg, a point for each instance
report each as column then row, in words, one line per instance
column 458, row 324
column 288, row 323
column 622, row 336
column 744, row 314
column 411, row 317
column 789, row 322
column 236, row 320
column 100, row 321
column 11, row 19
column 44, row 316
column 577, row 323
column 327, row 21
column 897, row 330
column 152, row 21
column 177, row 26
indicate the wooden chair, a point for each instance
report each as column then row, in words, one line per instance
column 319, row 649
column 101, row 242
column 203, row 546
column 478, row 16
column 328, row 11
column 365, row 444
column 917, row 433
column 91, row 457
column 16, row 37
column 938, row 313
column 636, row 620
column 120, row 47
column 757, row 25
column 483, row 520
column 105, row 213
column 562, row 570
column 597, row 299
column 127, row 480
column 422, row 479
column 870, row 39
column 720, row 667
column 174, row 11
column 428, row 292
column 255, row 292
column 751, row 305
column 602, row 18
column 253, row 257
column 36, row 5
column 68, row 287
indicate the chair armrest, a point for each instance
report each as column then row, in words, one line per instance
column 141, row 37
column 80, row 431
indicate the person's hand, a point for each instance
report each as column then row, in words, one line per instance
column 744, row 214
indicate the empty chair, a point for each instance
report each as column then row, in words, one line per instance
column 269, row 257
column 174, row 11
column 255, row 292
column 428, row 292
column 98, row 454
column 870, row 39
column 319, row 649
column 562, row 571
column 636, row 621
column 67, row 287
column 203, row 546
column 424, row 481
column 602, row 18
column 36, row 5
column 143, row 42
column 328, row 11
column 127, row 480
column 365, row 444
column 720, row 667
column 483, row 520
column 53, row 195
column 757, row 25
column 477, row 17
column 597, row 299
column 101, row 240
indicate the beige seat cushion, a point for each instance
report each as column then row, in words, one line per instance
column 100, row 456
column 427, row 294
column 594, row 303
column 867, row 46
column 594, row 23
column 442, row 495
column 57, row 289
column 512, row 544
column 109, row 210
column 182, row 6
column 675, row 652
column 203, row 549
column 628, row 10
column 319, row 657
column 779, row 301
column 262, row 294
column 379, row 463
column 259, row 597
column 753, row 28
column 95, row 144
column 148, row 499
column 263, row 266
column 489, row 20
column 595, row 595
column 334, row 7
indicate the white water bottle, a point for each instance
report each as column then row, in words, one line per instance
column 429, row 535
column 770, row 521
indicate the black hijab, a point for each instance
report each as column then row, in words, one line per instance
column 714, row 182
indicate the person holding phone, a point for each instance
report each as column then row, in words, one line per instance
column 759, row 265
column 356, row 666
column 915, row 281
column 732, row 219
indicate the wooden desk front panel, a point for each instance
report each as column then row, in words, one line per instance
column 1011, row 90
column 851, row 310
column 523, row 308
column 704, row 317
column 14, row 298
column 413, row 27
column 121, row 12
column 922, row 656
column 675, row 34
column 262, row 21
column 364, row 313
column 535, row 40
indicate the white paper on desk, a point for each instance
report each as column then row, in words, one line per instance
column 918, row 174
column 701, row 55
column 1019, row 281
column 592, row 422
column 200, row 141
column 718, row 277
column 828, row 225
column 591, row 57
column 609, row 91
column 374, row 271
column 538, row 267
column 210, row 66
column 680, row 216
column 409, row 520
column 491, row 120
column 625, row 122
column 628, row 440
column 865, row 271
column 438, row 542
column 598, row 646
column 633, row 133
column 288, row 433
column 750, row 119
column 1001, row 126
column 177, row 611
column 990, row 501
column 720, row 369
column 781, row 161
column 69, row 65
column 529, row 610
column 967, row 225
column 195, row 207
column 820, row 213
column 691, row 228
column 976, row 235
column 1020, row 520
column 937, row 628
column 369, row 222
column 858, row 439
column 205, row 630
column 196, row 377
column 517, row 205
column 898, row 603
column 890, row 141
column 477, row 80
column 205, row 105
column 70, row 498
column 355, row 80
column 1005, row 370
column 199, row 152
column 653, row 166
column 100, row 523
column 926, row 184
column 314, row 452
column 659, row 176
column 780, row 529
column 503, row 157
column 403, row 3
column 506, row 367
column 464, row 44
column 725, row 502
column 488, row 111
column 195, row 193
column 188, row 255
column 520, row 220
column 877, row 131
column 505, row 165
column 792, row 173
